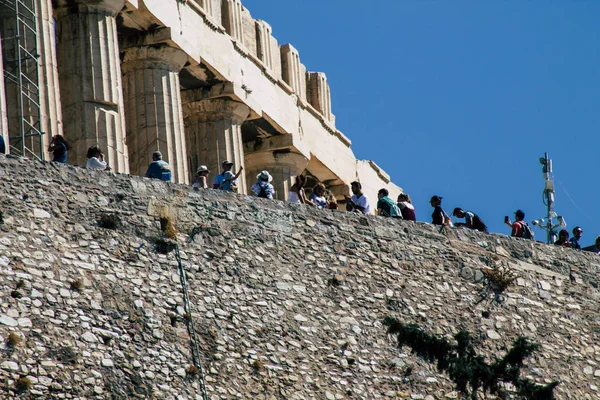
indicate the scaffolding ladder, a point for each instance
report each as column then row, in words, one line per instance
column 21, row 76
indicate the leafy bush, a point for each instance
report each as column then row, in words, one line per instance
column 467, row 369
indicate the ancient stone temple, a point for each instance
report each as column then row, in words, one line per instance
column 199, row 80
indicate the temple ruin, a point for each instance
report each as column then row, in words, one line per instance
column 199, row 80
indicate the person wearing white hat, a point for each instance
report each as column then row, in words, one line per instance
column 263, row 188
column 201, row 177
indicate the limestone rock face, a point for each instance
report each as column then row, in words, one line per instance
column 287, row 301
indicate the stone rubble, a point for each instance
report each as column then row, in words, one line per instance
column 288, row 301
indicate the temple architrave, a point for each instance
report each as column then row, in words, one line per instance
column 199, row 80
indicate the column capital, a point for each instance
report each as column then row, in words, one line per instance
column 214, row 109
column 289, row 158
column 109, row 7
column 153, row 57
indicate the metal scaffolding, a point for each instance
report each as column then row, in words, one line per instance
column 21, row 74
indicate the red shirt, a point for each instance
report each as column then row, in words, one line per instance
column 517, row 229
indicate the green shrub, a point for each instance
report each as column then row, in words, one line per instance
column 467, row 369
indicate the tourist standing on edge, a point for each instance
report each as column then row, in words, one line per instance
column 519, row 227
column 59, row 149
column 201, row 180
column 387, row 207
column 563, row 238
column 296, row 194
column 318, row 196
column 263, row 188
column 96, row 159
column 472, row 220
column 159, row 169
column 439, row 216
column 359, row 202
column 406, row 207
column 577, row 232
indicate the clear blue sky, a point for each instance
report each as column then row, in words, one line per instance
column 461, row 98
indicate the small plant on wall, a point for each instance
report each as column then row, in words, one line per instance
column 468, row 370
column 499, row 278
column 23, row 384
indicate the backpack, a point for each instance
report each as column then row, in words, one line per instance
column 526, row 231
column 166, row 175
column 263, row 192
column 479, row 224
column 395, row 211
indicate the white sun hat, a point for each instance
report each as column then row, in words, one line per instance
column 264, row 176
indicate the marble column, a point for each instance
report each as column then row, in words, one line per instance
column 283, row 164
column 3, row 114
column 153, row 111
column 90, row 79
column 50, row 103
column 214, row 133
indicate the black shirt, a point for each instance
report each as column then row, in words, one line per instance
column 438, row 216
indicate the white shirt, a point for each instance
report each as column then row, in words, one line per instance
column 94, row 163
column 362, row 201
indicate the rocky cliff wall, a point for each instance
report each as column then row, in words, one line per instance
column 287, row 300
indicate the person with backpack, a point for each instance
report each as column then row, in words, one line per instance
column 472, row 220
column 263, row 188
column 387, row 207
column 520, row 227
column 159, row 169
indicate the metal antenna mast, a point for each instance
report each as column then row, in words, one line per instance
column 548, row 197
column 21, row 74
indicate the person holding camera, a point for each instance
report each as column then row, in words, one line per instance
column 59, row 149
column 519, row 227
column 96, row 159
column 359, row 202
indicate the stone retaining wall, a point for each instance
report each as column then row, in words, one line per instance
column 287, row 300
